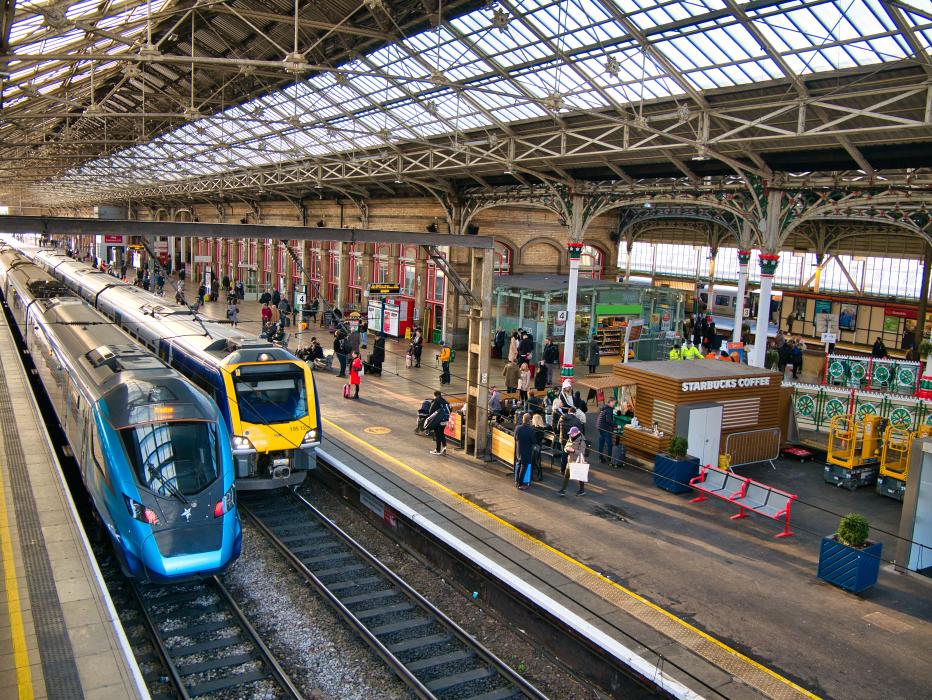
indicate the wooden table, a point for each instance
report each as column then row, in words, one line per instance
column 643, row 444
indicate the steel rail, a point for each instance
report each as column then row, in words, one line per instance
column 520, row 685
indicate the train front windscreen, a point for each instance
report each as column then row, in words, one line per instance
column 271, row 393
column 173, row 458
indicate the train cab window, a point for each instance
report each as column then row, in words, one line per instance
column 172, row 459
column 724, row 300
column 272, row 393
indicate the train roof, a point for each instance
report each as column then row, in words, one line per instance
column 136, row 386
column 218, row 343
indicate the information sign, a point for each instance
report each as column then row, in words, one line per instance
column 384, row 288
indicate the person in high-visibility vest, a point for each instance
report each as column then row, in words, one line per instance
column 691, row 352
column 676, row 353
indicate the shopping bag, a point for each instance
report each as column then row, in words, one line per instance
column 579, row 471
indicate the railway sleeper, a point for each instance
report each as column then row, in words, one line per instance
column 445, row 683
column 367, row 597
column 417, row 643
column 218, row 662
column 227, row 682
column 354, row 583
column 209, row 645
column 434, row 662
column 390, row 610
column 402, row 626
column 191, row 631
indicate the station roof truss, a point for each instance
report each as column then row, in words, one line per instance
column 174, row 100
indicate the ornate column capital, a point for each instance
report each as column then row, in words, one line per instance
column 574, row 249
column 744, row 257
column 768, row 263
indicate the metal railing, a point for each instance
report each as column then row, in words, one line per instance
column 753, row 446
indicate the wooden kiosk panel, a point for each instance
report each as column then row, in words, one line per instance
column 749, row 396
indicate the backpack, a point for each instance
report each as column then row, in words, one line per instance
column 452, row 354
column 444, row 412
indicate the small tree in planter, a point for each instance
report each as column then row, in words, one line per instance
column 673, row 470
column 848, row 559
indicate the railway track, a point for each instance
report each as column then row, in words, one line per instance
column 192, row 640
column 427, row 650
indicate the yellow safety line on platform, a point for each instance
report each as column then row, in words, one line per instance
column 14, row 610
column 575, row 562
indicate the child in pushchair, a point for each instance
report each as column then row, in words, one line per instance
column 422, row 414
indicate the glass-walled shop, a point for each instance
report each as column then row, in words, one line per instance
column 537, row 303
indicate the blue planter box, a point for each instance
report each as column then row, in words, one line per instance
column 673, row 475
column 853, row 569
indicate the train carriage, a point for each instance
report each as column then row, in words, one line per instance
column 266, row 395
column 152, row 449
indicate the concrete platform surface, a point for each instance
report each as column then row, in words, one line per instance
column 59, row 634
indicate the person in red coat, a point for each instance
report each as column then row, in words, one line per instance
column 355, row 373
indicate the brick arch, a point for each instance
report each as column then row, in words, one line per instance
column 513, row 250
column 559, row 252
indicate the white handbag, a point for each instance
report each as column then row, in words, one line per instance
column 579, row 471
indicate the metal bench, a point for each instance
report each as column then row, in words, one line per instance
column 717, row 482
column 767, row 501
column 750, row 495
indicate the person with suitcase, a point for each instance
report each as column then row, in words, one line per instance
column 355, row 374
column 437, row 422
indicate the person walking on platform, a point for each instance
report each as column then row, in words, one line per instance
column 566, row 421
column 417, row 345
column 594, row 352
column 525, row 440
column 606, row 426
column 364, row 332
column 353, row 341
column 266, row 314
column 377, row 357
column 524, row 382
column 340, row 350
column 276, row 297
column 437, row 416
column 284, row 308
column 676, row 353
column 513, row 347
column 276, row 314
column 445, row 356
column 575, row 447
column 355, row 373
column 266, row 297
column 543, row 374
column 512, row 373
column 233, row 312
column 551, row 357
column 312, row 311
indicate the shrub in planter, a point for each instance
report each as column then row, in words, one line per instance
column 673, row 470
column 848, row 559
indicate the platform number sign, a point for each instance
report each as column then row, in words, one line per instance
column 300, row 298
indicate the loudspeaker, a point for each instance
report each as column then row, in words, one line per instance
column 432, row 228
column 320, row 224
column 472, row 230
column 615, row 236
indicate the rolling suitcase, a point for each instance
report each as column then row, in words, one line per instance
column 346, row 391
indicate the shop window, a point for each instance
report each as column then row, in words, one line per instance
column 503, row 258
column 590, row 263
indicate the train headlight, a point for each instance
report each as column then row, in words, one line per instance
column 226, row 504
column 309, row 437
column 242, row 444
column 139, row 512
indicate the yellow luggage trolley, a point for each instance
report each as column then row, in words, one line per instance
column 854, row 450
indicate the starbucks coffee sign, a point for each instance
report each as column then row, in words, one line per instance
column 717, row 384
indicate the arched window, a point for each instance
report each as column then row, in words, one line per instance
column 590, row 262
column 503, row 258
column 380, row 272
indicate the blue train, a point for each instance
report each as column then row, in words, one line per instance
column 153, row 450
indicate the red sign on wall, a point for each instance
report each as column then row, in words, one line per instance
column 900, row 312
column 113, row 239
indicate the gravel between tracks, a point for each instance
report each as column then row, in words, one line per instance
column 322, row 656
column 501, row 638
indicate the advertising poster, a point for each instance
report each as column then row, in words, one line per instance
column 847, row 319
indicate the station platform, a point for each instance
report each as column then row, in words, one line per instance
column 60, row 636
column 739, row 610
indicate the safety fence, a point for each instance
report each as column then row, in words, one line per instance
column 815, row 406
column 752, row 446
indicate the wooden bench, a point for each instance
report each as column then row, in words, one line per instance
column 745, row 493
